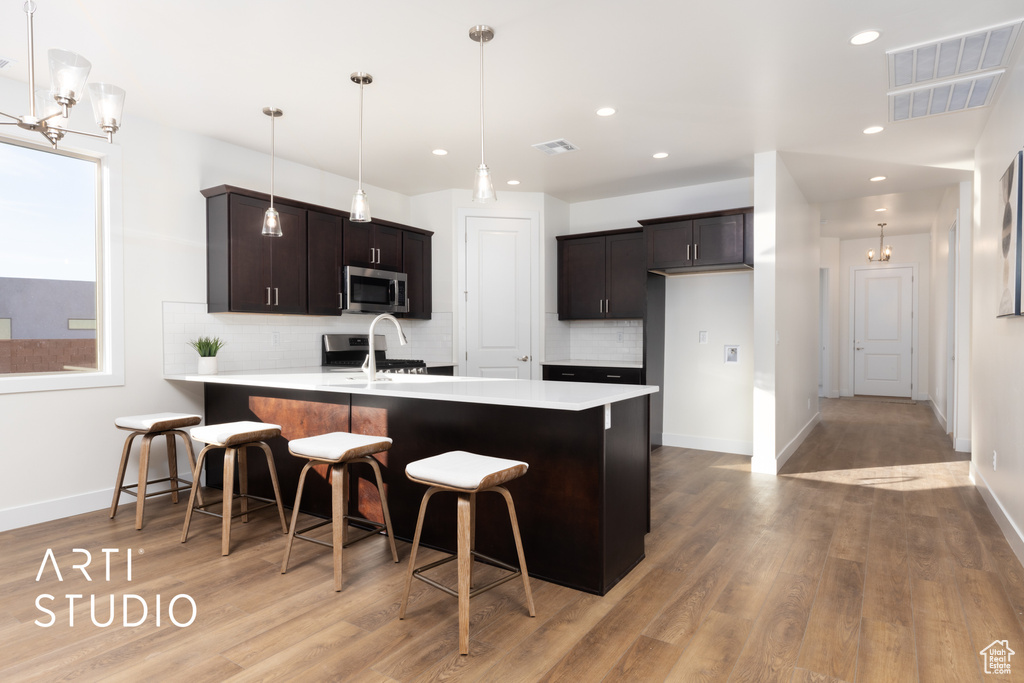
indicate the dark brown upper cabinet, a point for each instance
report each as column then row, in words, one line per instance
column 418, row 268
column 372, row 245
column 717, row 241
column 324, row 262
column 601, row 275
column 250, row 273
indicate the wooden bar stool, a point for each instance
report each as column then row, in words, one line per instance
column 234, row 438
column 149, row 427
column 467, row 474
column 339, row 449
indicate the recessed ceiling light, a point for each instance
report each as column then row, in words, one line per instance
column 864, row 37
column 877, row 178
column 871, row 130
column 660, row 155
column 513, row 182
column 439, row 152
column 605, row 111
column 878, row 210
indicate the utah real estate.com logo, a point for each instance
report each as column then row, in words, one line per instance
column 997, row 657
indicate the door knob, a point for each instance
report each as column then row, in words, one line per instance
column 860, row 348
column 523, row 358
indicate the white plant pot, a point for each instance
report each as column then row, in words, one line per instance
column 208, row 365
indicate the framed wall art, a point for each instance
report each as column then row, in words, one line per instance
column 1010, row 238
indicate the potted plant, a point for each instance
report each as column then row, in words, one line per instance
column 207, row 348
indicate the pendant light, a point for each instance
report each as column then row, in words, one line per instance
column 483, row 189
column 884, row 252
column 272, row 219
column 48, row 109
column 360, row 211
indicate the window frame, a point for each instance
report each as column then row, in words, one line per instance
column 109, row 274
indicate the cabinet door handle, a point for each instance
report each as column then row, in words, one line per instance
column 607, row 305
column 371, row 256
column 695, row 253
column 276, row 302
column 268, row 296
column 378, row 257
column 600, row 305
column 687, row 252
column 341, row 300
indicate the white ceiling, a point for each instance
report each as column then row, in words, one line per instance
column 711, row 83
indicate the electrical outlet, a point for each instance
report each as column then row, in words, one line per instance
column 808, row 404
column 275, row 339
column 995, row 460
column 620, row 337
column 702, row 337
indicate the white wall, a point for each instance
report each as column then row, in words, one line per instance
column 830, row 260
column 60, row 448
column 786, row 286
column 910, row 250
column 938, row 330
column 708, row 404
column 997, row 354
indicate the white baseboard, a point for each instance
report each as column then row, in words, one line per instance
column 938, row 414
column 49, row 510
column 794, row 444
column 962, row 445
column 703, row 443
column 1013, row 534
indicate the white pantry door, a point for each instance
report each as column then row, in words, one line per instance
column 883, row 332
column 498, row 309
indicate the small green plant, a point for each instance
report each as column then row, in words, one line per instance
column 207, row 347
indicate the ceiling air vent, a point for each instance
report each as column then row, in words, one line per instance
column 953, row 74
column 6, row 63
column 560, row 146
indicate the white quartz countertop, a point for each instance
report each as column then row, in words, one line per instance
column 596, row 363
column 505, row 392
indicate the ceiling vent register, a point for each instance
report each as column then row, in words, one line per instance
column 560, row 146
column 953, row 74
column 6, row 63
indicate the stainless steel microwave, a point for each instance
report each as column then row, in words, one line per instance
column 374, row 291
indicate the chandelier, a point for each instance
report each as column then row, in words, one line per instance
column 884, row 253
column 49, row 109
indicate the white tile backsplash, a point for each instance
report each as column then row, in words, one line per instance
column 606, row 340
column 250, row 341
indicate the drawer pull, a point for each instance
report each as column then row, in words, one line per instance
column 568, row 374
column 614, row 376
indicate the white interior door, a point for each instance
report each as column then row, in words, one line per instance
column 883, row 331
column 498, row 307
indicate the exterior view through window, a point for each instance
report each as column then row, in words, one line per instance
column 48, row 262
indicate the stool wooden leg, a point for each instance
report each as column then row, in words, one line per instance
column 125, row 452
column 339, row 525
column 243, row 482
column 295, row 517
column 195, row 490
column 369, row 459
column 519, row 546
column 140, row 502
column 230, row 455
column 465, row 562
column 274, row 483
column 415, row 546
column 172, row 465
column 472, row 535
column 187, row 440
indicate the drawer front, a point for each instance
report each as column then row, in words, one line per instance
column 587, row 373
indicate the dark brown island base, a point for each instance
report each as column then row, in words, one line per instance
column 583, row 506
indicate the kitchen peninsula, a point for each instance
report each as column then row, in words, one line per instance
column 583, row 507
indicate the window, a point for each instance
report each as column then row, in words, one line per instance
column 58, row 314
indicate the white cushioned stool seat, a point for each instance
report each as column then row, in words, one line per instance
column 157, row 422
column 465, row 471
column 149, row 427
column 234, row 433
column 335, row 451
column 338, row 446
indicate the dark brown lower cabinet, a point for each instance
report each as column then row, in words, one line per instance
column 590, row 373
column 583, row 506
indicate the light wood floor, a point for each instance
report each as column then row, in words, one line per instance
column 871, row 559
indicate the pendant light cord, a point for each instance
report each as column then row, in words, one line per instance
column 481, row 101
column 30, row 8
column 272, row 148
column 360, row 154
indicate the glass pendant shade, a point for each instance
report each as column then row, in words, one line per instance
column 483, row 189
column 107, row 105
column 272, row 223
column 68, row 72
column 47, row 106
column 360, row 210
